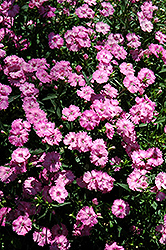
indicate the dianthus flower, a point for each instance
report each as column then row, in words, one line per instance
column 159, row 36
column 60, row 70
column 43, row 76
column 132, row 83
column 64, row 177
column 108, row 9
column 52, row 161
column 98, row 180
column 84, row 12
column 106, row 109
column 77, row 38
column 42, row 237
column 22, row 225
column 71, row 140
column 113, row 246
column 118, row 51
column 137, row 180
column 89, row 119
column 71, row 113
column 109, row 130
column 104, row 56
column 19, row 133
column 28, row 89
column 60, row 242
column 109, row 91
column 32, row 186
column 160, row 180
column 133, row 40
column 58, row 193
column 76, row 80
column 126, row 68
column 120, row 208
column 34, row 3
column 7, row 174
column 143, row 111
column 35, row 115
column 85, row 92
column 100, row 76
column 125, row 127
column 55, row 41
column 99, row 153
column 87, row 216
column 20, row 155
column 146, row 77
column 114, row 39
column 53, row 138
column 103, row 28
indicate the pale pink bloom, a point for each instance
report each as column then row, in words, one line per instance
column 71, row 113
column 22, row 225
column 7, row 174
column 109, row 91
column 100, row 76
column 109, row 130
column 137, row 180
column 84, row 12
column 108, row 9
column 53, row 138
column 85, row 92
column 71, row 140
column 113, row 246
column 60, row 242
column 103, row 28
column 104, row 56
column 160, row 37
column 126, row 68
column 20, row 155
column 42, row 237
column 87, row 216
column 55, row 41
column 146, row 77
column 160, row 180
column 132, row 83
column 120, row 208
column 58, row 193
column 3, row 102
column 43, row 76
column 76, row 80
column 89, row 119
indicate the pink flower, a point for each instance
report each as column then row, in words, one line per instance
column 22, row 225
column 113, row 246
column 100, row 76
column 20, row 155
column 160, row 180
column 58, row 193
column 55, row 41
column 120, row 208
column 32, row 186
column 103, row 28
column 89, row 119
column 71, row 113
column 42, row 237
column 137, row 180
column 87, row 216
column 85, row 92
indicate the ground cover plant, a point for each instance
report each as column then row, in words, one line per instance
column 83, row 124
